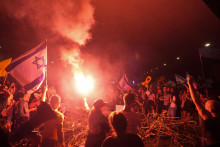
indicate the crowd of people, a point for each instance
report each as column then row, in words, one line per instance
column 160, row 97
column 35, row 118
column 30, row 119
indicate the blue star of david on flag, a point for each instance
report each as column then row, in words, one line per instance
column 39, row 62
column 28, row 69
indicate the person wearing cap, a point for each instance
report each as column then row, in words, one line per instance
column 98, row 125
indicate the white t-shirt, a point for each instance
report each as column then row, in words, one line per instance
column 173, row 102
column 151, row 97
column 133, row 120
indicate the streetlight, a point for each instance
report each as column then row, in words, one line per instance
column 207, row 44
column 164, row 64
column 177, row 58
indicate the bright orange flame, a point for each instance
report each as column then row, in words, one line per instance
column 86, row 104
column 84, row 84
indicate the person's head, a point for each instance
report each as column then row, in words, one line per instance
column 164, row 89
column 158, row 87
column 159, row 91
column 172, row 89
column 99, row 104
column 200, row 95
column 118, row 123
column 213, row 106
column 55, row 102
column 129, row 99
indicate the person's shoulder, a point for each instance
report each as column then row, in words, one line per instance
column 108, row 142
column 212, row 121
column 109, row 138
column 134, row 140
column 60, row 116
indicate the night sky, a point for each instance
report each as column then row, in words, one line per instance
column 132, row 36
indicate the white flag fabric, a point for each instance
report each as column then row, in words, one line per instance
column 29, row 69
column 123, row 83
column 179, row 79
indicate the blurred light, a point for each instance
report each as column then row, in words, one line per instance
column 164, row 64
column 84, row 84
column 156, row 68
column 52, row 62
column 133, row 82
column 207, row 44
column 0, row 46
column 151, row 70
column 177, row 58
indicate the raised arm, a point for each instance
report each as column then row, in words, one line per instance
column 43, row 98
column 205, row 114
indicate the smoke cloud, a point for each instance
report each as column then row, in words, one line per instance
column 67, row 26
column 71, row 19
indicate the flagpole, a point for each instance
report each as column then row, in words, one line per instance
column 46, row 69
column 5, row 79
column 203, row 74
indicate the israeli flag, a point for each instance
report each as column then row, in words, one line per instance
column 179, row 79
column 30, row 68
column 123, row 83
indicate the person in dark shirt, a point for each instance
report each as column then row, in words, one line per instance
column 210, row 114
column 121, row 138
column 98, row 125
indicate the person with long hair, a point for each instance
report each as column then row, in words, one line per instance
column 121, row 138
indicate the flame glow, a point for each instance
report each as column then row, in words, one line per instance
column 86, row 104
column 84, row 84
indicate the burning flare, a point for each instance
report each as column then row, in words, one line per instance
column 84, row 84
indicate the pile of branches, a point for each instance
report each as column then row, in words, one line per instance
column 75, row 126
column 161, row 130
column 156, row 130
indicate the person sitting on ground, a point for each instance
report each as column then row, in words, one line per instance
column 133, row 118
column 210, row 113
column 121, row 138
column 52, row 134
column 98, row 125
